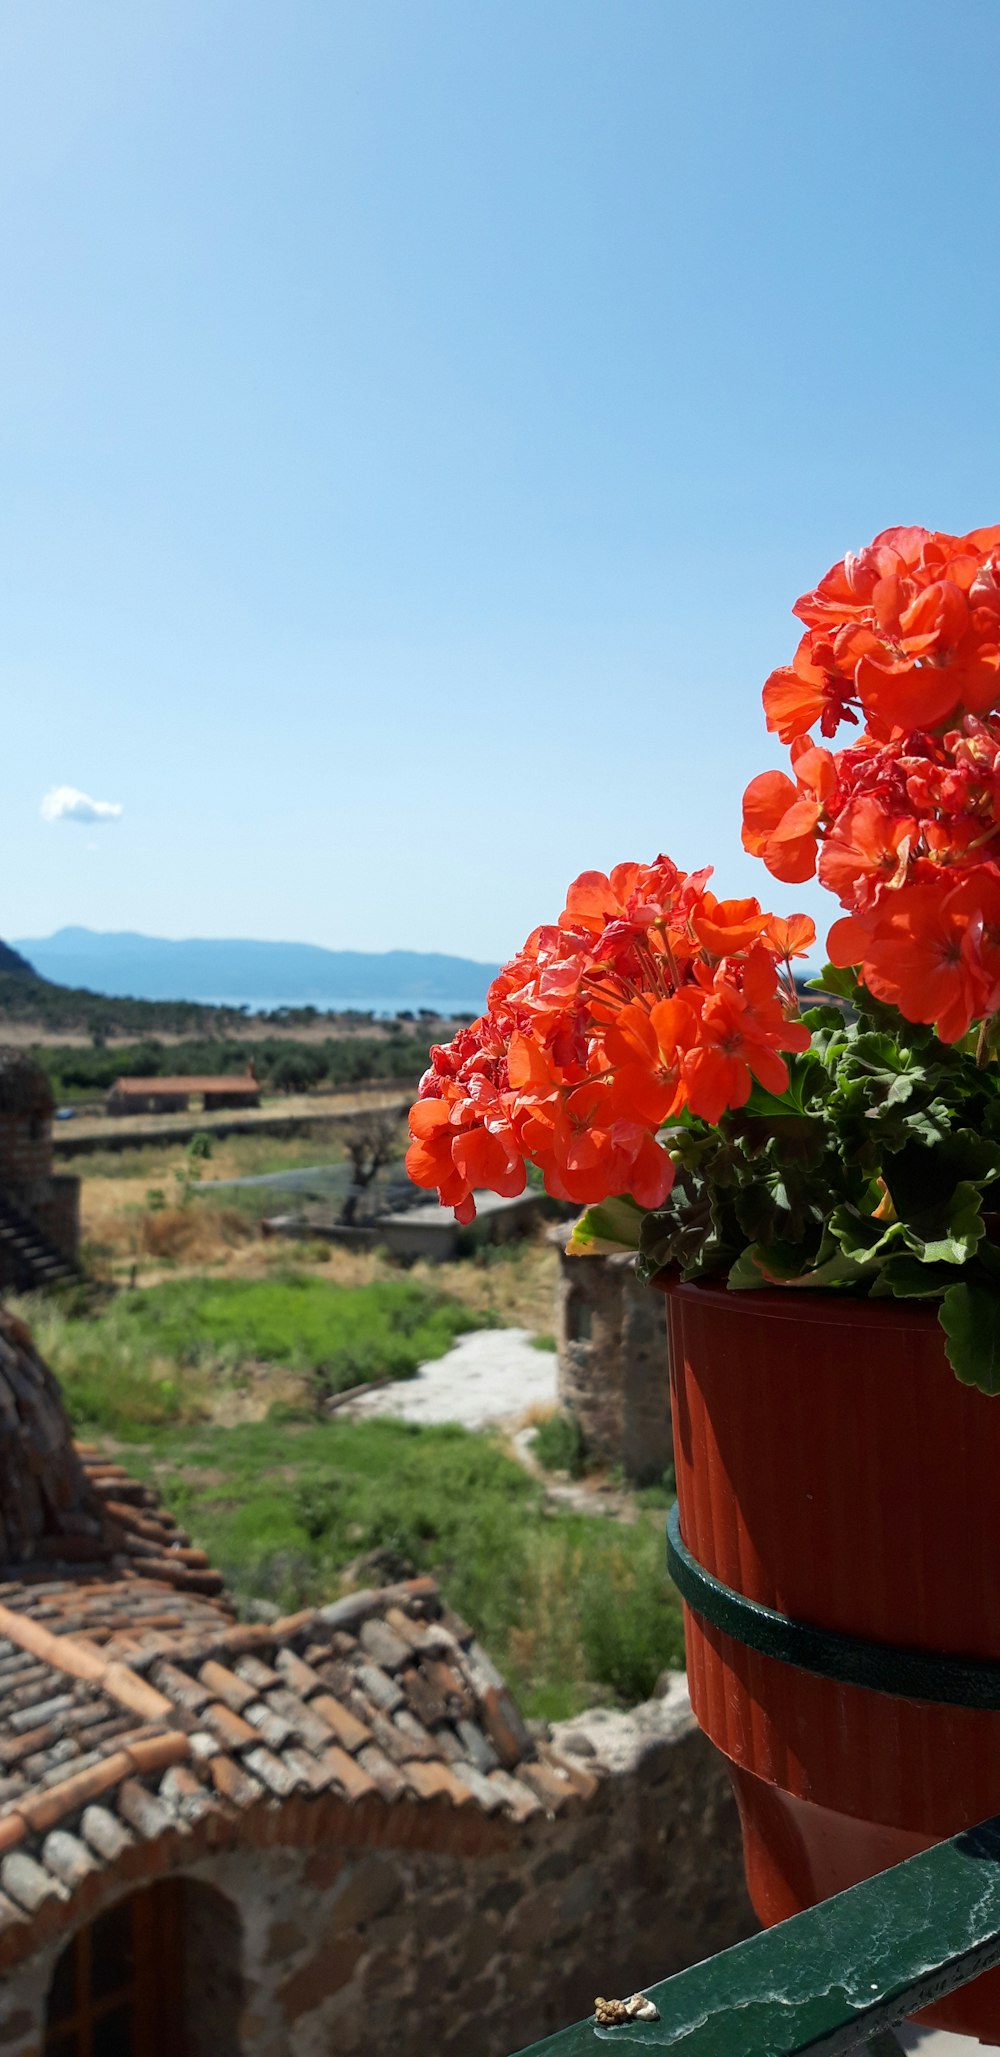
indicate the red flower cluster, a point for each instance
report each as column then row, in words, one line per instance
column 905, row 822
column 647, row 996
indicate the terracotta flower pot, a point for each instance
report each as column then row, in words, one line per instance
column 831, row 1468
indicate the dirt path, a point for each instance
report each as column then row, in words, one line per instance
column 491, row 1377
column 118, row 1132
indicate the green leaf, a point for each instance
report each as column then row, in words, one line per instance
column 785, row 1268
column 834, row 979
column 905, row 1277
column 746, row 1275
column 611, row 1226
column 970, row 1318
column 924, row 1178
column 861, row 1237
column 956, row 1239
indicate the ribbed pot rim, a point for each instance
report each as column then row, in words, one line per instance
column 803, row 1304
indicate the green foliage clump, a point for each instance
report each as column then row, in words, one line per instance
column 112, row 1382
column 558, row 1445
column 347, row 1334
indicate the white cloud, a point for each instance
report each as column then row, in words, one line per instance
column 65, row 803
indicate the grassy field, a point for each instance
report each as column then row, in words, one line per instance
column 209, row 1376
column 573, row 1608
column 177, row 1352
column 244, row 1156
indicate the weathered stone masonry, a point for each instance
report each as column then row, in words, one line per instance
column 611, row 1339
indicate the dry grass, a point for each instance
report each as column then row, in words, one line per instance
column 194, row 1235
column 513, row 1283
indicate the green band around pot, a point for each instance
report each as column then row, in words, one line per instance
column 852, row 1660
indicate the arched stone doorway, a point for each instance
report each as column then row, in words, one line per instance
column 156, row 1975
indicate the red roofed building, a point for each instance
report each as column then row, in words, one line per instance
column 173, row 1095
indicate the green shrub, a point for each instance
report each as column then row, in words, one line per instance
column 346, row 1334
column 628, row 1613
column 558, row 1445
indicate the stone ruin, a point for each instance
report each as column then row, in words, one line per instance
column 39, row 1208
column 611, row 1343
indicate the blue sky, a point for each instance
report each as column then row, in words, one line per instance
column 419, row 417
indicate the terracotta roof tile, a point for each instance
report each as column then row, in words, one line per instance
column 347, row 1773
column 230, row 1729
column 483, row 1792
column 67, row 1858
column 27, row 1883
column 107, row 1836
column 311, row 1769
column 282, row 1778
column 272, row 1727
column 392, row 1781
column 296, row 1674
column 183, row 1793
column 383, row 1645
column 183, row 1690
column 224, row 1684
column 300, row 1719
column 10, row 1916
column 262, row 1676
column 233, row 1782
column 348, row 1730
column 430, row 1780
column 378, row 1687
column 142, row 1810
column 521, row 1802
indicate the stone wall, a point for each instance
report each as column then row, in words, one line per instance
column 430, row 1950
column 57, row 1213
column 25, row 1150
column 611, row 1339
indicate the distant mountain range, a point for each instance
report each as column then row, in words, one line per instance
column 262, row 974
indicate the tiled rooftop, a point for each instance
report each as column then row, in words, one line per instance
column 134, row 1708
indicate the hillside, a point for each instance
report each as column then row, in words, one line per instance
column 231, row 972
column 14, row 966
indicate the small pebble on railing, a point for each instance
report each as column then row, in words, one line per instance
column 611, row 2013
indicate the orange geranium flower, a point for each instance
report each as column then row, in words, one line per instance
column 791, row 936
column 587, row 1045
column 924, row 958
column 906, row 634
column 742, row 1034
column 865, row 851
column 781, row 821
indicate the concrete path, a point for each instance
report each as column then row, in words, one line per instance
column 492, row 1375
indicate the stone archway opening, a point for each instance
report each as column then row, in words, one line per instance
column 158, row 1974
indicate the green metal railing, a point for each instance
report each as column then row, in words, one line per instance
column 840, row 1977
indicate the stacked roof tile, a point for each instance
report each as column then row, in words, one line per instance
column 134, row 1708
